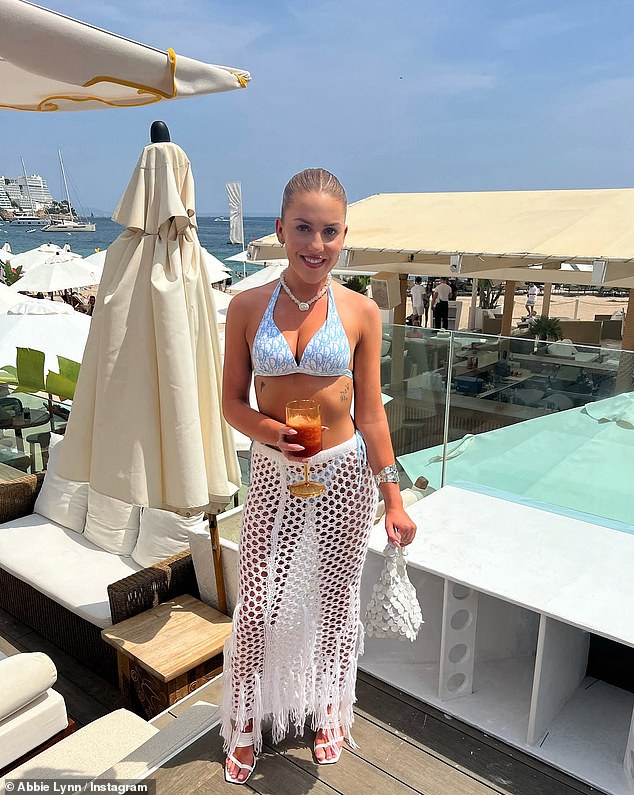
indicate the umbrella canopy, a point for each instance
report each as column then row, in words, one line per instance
column 9, row 298
column 59, row 272
column 222, row 301
column 52, row 62
column 217, row 271
column 146, row 425
column 36, row 256
column 49, row 326
column 257, row 279
column 98, row 259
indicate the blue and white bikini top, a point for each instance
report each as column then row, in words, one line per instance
column 327, row 352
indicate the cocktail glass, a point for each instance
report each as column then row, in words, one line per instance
column 304, row 417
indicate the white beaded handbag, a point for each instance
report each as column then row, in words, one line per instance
column 393, row 611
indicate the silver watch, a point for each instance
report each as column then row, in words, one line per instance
column 388, row 474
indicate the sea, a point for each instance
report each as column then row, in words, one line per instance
column 213, row 233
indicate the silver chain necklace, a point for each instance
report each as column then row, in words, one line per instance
column 304, row 306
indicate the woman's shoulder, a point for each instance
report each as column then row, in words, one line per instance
column 250, row 303
column 355, row 301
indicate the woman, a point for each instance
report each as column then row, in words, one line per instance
column 296, row 626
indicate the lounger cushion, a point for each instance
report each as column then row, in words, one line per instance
column 162, row 534
column 60, row 500
column 63, row 565
column 111, row 524
column 90, row 751
column 31, row 726
column 24, row 677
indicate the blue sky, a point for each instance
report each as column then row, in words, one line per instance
column 405, row 95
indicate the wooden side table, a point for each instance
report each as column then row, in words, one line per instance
column 167, row 652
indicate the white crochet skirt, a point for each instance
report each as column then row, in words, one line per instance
column 296, row 627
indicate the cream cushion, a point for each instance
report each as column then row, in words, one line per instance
column 60, row 500
column 37, row 718
column 162, row 534
column 564, row 348
column 24, row 677
column 63, row 565
column 111, row 524
column 90, row 751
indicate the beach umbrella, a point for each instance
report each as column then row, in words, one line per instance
column 5, row 252
column 98, row 259
column 61, row 271
column 146, row 425
column 9, row 298
column 222, row 301
column 36, row 256
column 268, row 274
column 217, row 271
column 49, row 326
column 52, row 62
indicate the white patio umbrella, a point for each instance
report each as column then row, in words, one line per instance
column 9, row 298
column 5, row 252
column 146, row 425
column 217, row 271
column 98, row 259
column 36, row 256
column 222, row 301
column 49, row 326
column 268, row 274
column 58, row 273
column 52, row 62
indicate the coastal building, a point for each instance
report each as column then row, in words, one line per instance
column 35, row 192
column 30, row 193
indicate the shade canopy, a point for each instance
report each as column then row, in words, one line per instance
column 146, row 425
column 267, row 274
column 497, row 234
column 49, row 326
column 51, row 62
column 217, row 271
column 61, row 271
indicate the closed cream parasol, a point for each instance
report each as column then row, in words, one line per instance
column 146, row 425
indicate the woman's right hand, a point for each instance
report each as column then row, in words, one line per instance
column 291, row 451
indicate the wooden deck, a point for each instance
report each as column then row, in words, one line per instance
column 405, row 746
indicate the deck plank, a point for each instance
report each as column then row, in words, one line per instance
column 465, row 747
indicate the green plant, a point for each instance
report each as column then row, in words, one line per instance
column 357, row 283
column 489, row 293
column 545, row 328
column 11, row 276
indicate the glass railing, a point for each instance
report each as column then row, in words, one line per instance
column 551, row 424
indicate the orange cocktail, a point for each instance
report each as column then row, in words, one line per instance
column 304, row 416
column 308, row 433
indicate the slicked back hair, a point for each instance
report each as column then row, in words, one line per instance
column 313, row 180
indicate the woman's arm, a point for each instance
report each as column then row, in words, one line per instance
column 236, row 381
column 371, row 420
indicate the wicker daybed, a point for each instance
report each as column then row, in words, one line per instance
column 127, row 597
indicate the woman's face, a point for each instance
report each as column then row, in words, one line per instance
column 313, row 231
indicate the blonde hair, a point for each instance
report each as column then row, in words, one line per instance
column 313, row 179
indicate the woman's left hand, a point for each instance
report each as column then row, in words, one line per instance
column 399, row 527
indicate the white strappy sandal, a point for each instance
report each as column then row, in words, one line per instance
column 245, row 739
column 335, row 743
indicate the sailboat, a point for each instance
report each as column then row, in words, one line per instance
column 73, row 223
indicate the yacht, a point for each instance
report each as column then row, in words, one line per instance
column 71, row 223
column 29, row 220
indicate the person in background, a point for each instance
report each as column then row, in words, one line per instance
column 440, row 303
column 419, row 294
column 531, row 298
column 91, row 305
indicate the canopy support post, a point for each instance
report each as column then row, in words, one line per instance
column 507, row 315
column 548, row 289
column 474, row 301
column 625, row 374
